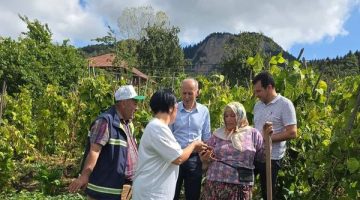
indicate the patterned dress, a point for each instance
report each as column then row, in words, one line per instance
column 239, row 150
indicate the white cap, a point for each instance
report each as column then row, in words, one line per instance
column 127, row 92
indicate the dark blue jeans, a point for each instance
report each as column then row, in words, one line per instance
column 190, row 173
column 260, row 168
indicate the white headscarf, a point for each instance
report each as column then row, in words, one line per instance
column 242, row 124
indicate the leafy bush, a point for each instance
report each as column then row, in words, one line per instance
column 49, row 179
column 25, row 195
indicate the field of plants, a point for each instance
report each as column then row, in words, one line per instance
column 49, row 98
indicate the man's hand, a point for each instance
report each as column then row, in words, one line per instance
column 267, row 129
column 79, row 183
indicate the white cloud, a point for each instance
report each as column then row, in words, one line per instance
column 286, row 21
column 66, row 19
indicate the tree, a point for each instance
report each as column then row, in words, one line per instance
column 133, row 21
column 239, row 49
column 33, row 61
column 160, row 49
column 133, row 25
column 127, row 51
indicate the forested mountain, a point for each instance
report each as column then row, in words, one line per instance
column 97, row 49
column 208, row 55
column 340, row 66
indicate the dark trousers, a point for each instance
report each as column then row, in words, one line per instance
column 190, row 173
column 260, row 168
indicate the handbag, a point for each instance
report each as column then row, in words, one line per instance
column 245, row 174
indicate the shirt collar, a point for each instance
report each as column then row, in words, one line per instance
column 274, row 100
column 182, row 108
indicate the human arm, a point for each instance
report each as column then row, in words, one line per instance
column 288, row 116
column 196, row 146
column 89, row 165
column 165, row 144
column 289, row 132
column 99, row 136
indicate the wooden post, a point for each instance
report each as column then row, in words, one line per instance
column 268, row 144
column 126, row 192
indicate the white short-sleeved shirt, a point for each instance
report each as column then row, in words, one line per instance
column 281, row 112
column 156, row 176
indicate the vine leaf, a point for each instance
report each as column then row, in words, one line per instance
column 352, row 164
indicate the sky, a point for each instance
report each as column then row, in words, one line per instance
column 325, row 28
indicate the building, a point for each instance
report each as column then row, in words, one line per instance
column 106, row 62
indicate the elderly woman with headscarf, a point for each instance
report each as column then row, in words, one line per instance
column 230, row 159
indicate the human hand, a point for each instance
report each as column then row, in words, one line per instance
column 268, row 129
column 199, row 146
column 207, row 155
column 79, row 183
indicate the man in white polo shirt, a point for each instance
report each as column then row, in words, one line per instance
column 279, row 110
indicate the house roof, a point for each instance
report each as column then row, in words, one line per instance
column 106, row 61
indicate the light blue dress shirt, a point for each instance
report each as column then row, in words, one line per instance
column 191, row 125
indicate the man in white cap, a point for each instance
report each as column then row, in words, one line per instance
column 111, row 155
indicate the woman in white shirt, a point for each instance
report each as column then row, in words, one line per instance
column 159, row 153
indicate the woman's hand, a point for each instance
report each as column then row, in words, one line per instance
column 199, row 146
column 207, row 155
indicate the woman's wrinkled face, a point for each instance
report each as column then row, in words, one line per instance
column 230, row 119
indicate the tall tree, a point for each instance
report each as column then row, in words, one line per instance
column 160, row 49
column 132, row 26
column 239, row 49
column 134, row 20
column 127, row 51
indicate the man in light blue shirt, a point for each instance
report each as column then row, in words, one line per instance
column 192, row 123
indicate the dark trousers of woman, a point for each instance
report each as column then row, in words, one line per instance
column 260, row 168
column 190, row 173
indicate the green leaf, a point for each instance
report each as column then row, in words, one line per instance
column 347, row 95
column 250, row 61
column 275, row 70
column 352, row 164
column 281, row 60
column 322, row 85
column 326, row 142
column 273, row 60
column 320, row 91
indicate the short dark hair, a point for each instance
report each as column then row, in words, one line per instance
column 265, row 78
column 162, row 100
